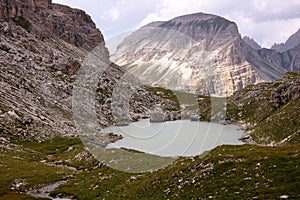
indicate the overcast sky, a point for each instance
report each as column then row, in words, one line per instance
column 267, row 21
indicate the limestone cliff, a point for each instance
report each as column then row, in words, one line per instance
column 199, row 53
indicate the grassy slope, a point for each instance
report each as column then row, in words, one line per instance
column 35, row 164
column 228, row 172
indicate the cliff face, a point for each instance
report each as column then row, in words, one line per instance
column 198, row 53
column 14, row 8
column 48, row 20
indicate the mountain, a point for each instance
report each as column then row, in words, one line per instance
column 252, row 43
column 288, row 60
column 199, row 53
column 43, row 46
column 291, row 43
column 45, row 19
column 38, row 64
column 40, row 72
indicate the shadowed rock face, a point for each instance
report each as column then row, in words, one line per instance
column 199, row 53
column 13, row 8
column 288, row 60
column 47, row 20
column 252, row 43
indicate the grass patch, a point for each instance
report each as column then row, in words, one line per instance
column 23, row 22
column 33, row 164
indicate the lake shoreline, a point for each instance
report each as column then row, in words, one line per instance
column 160, row 126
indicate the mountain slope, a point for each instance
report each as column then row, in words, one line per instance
column 36, row 71
column 198, row 53
column 270, row 111
column 43, row 46
column 252, row 43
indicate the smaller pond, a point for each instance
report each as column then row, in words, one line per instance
column 175, row 138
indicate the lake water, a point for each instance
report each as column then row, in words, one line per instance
column 175, row 138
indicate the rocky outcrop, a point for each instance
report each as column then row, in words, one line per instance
column 286, row 91
column 34, row 84
column 252, row 43
column 16, row 8
column 47, row 20
column 198, row 53
column 292, row 42
column 269, row 111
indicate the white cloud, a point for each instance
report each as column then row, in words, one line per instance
column 112, row 14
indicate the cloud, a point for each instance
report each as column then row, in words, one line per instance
column 112, row 15
column 267, row 21
column 115, row 17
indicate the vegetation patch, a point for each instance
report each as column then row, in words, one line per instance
column 23, row 22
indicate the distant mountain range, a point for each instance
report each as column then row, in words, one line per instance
column 201, row 53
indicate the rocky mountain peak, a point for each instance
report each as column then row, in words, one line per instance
column 292, row 42
column 199, row 53
column 200, row 25
column 251, row 42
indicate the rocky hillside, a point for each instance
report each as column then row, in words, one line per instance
column 44, row 19
column 200, row 53
column 269, row 111
column 43, row 46
column 292, row 42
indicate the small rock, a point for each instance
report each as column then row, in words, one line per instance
column 284, row 196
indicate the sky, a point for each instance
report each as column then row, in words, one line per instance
column 266, row 21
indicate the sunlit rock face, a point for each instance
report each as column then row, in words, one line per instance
column 198, row 53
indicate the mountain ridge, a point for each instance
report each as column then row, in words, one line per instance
column 163, row 47
column 290, row 43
